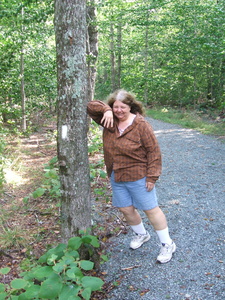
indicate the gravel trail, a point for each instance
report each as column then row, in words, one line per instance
column 191, row 192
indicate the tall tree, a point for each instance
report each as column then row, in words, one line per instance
column 92, row 46
column 27, row 58
column 70, row 30
column 23, row 94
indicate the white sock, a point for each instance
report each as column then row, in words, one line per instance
column 139, row 229
column 164, row 236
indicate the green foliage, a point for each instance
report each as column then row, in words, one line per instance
column 188, row 119
column 2, row 177
column 27, row 25
column 59, row 274
column 171, row 52
column 96, row 170
column 51, row 183
column 95, row 143
column 12, row 236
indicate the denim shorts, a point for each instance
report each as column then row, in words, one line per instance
column 127, row 193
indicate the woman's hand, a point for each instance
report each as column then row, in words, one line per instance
column 107, row 119
column 149, row 186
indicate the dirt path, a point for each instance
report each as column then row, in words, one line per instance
column 27, row 227
column 191, row 192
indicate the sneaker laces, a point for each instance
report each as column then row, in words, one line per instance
column 164, row 249
column 138, row 236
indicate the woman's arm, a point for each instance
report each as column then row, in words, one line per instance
column 153, row 154
column 101, row 113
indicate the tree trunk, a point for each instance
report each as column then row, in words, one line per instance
column 22, row 85
column 92, row 47
column 146, row 94
column 71, row 30
column 119, row 46
column 112, row 50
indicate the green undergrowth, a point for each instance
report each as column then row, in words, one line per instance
column 197, row 120
column 58, row 274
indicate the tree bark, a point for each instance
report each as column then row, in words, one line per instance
column 119, row 46
column 22, row 84
column 112, row 50
column 92, row 47
column 71, row 30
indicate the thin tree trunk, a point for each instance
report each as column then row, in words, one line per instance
column 92, row 47
column 71, row 30
column 119, row 46
column 146, row 61
column 22, row 84
column 113, row 70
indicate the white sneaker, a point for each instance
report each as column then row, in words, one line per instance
column 139, row 240
column 166, row 253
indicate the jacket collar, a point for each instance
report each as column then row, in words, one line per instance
column 136, row 120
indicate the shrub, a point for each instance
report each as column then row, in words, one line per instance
column 59, row 274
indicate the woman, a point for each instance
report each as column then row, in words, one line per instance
column 133, row 162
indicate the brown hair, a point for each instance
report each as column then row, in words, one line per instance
column 126, row 98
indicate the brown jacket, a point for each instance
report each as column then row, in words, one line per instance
column 132, row 155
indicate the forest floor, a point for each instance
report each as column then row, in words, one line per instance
column 30, row 226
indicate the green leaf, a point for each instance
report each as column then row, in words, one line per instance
column 51, row 174
column 32, row 291
column 70, row 274
column 95, row 242
column 94, row 283
column 104, row 257
column 58, row 251
column 38, row 192
column 74, row 243
column 74, row 254
column 86, row 265
column 14, row 297
column 86, row 239
column 67, row 260
column 51, row 287
column 74, row 272
column 2, row 287
column 86, row 294
column 53, row 160
column 90, row 239
column 3, row 296
column 102, row 174
column 59, row 267
column 69, row 292
column 43, row 272
column 5, row 271
column 51, row 259
column 22, row 297
column 18, row 283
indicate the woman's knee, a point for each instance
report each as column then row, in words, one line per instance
column 153, row 211
column 129, row 210
column 131, row 215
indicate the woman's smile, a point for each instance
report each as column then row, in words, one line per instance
column 121, row 110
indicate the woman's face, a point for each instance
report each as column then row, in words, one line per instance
column 121, row 110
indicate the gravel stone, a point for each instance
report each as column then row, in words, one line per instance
column 191, row 192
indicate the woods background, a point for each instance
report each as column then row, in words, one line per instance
column 167, row 52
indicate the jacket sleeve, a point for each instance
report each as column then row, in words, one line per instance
column 96, row 110
column 153, row 153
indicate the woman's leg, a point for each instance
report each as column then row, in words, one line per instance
column 159, row 222
column 131, row 215
column 133, row 218
column 156, row 218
